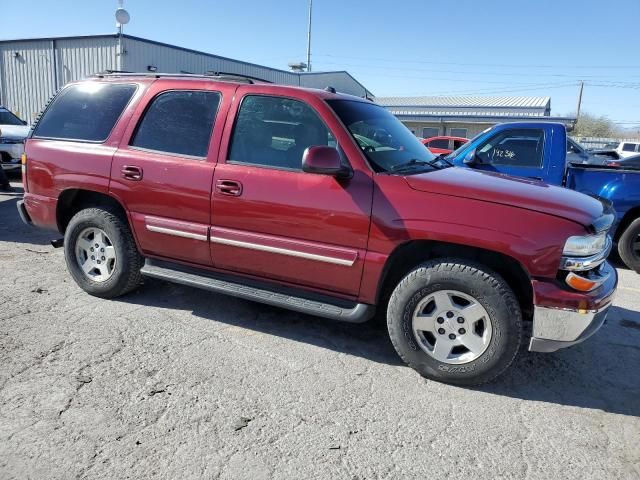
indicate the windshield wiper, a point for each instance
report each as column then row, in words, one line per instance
column 414, row 162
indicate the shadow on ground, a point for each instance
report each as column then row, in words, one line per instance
column 12, row 229
column 599, row 374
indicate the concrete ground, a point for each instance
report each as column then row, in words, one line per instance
column 172, row 382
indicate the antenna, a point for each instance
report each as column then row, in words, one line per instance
column 122, row 18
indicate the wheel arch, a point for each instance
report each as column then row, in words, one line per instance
column 408, row 255
column 626, row 220
column 72, row 200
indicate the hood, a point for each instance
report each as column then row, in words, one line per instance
column 513, row 191
column 14, row 132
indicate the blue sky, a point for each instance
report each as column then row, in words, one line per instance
column 404, row 47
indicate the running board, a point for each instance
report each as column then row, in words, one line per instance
column 353, row 313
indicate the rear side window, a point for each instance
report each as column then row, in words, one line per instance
column 85, row 112
column 178, row 122
column 439, row 143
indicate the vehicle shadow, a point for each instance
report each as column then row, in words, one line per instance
column 11, row 227
column 598, row 374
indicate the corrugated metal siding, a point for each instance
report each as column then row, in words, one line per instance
column 466, row 102
column 81, row 57
column 27, row 79
column 339, row 80
column 139, row 55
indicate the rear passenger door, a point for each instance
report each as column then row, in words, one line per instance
column 163, row 169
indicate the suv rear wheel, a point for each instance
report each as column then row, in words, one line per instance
column 455, row 321
column 101, row 254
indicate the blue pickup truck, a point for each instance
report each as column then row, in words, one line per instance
column 541, row 151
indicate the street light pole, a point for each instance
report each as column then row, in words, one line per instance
column 309, row 38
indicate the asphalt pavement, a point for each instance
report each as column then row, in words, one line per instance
column 172, row 382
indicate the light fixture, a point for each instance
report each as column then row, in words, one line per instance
column 152, row 68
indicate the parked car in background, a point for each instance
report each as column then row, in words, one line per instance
column 576, row 154
column 13, row 132
column 539, row 151
column 444, row 144
column 626, row 163
column 317, row 202
column 628, row 149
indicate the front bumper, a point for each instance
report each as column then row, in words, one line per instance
column 556, row 327
column 10, row 154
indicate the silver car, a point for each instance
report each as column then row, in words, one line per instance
column 13, row 132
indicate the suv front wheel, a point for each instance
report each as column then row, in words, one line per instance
column 101, row 254
column 455, row 321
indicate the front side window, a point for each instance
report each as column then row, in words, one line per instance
column 8, row 118
column 275, row 132
column 84, row 112
column 516, row 147
column 178, row 122
column 458, row 143
column 385, row 141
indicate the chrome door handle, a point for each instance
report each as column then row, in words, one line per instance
column 131, row 172
column 229, row 187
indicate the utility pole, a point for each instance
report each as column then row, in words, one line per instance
column 579, row 100
column 309, row 38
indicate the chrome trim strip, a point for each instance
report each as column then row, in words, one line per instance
column 177, row 233
column 586, row 263
column 282, row 251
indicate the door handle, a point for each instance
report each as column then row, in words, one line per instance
column 131, row 172
column 229, row 187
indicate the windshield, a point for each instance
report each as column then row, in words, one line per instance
column 8, row 118
column 386, row 142
column 455, row 153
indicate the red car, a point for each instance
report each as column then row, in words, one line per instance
column 317, row 202
column 443, row 144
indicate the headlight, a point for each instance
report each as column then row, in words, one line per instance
column 584, row 246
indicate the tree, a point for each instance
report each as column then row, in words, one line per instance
column 591, row 126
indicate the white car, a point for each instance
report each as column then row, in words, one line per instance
column 13, row 132
column 627, row 149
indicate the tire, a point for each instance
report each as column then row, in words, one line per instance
column 454, row 282
column 630, row 236
column 123, row 258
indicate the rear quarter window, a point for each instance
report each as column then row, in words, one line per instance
column 85, row 112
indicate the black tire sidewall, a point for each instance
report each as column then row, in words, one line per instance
column 120, row 236
column 486, row 287
column 625, row 247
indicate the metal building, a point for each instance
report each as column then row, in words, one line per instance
column 466, row 116
column 32, row 70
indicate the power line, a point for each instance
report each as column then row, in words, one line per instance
column 433, row 62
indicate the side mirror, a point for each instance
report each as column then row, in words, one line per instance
column 324, row 160
column 24, row 122
column 471, row 158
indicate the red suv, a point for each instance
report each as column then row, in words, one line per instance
column 317, row 202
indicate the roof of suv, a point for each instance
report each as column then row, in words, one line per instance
column 328, row 93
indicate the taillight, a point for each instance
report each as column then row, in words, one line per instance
column 23, row 161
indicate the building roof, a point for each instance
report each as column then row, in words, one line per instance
column 198, row 52
column 466, row 102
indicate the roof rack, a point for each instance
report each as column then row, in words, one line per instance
column 220, row 76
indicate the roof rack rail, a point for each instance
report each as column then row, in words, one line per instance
column 220, row 76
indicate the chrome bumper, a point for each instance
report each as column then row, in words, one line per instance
column 555, row 328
